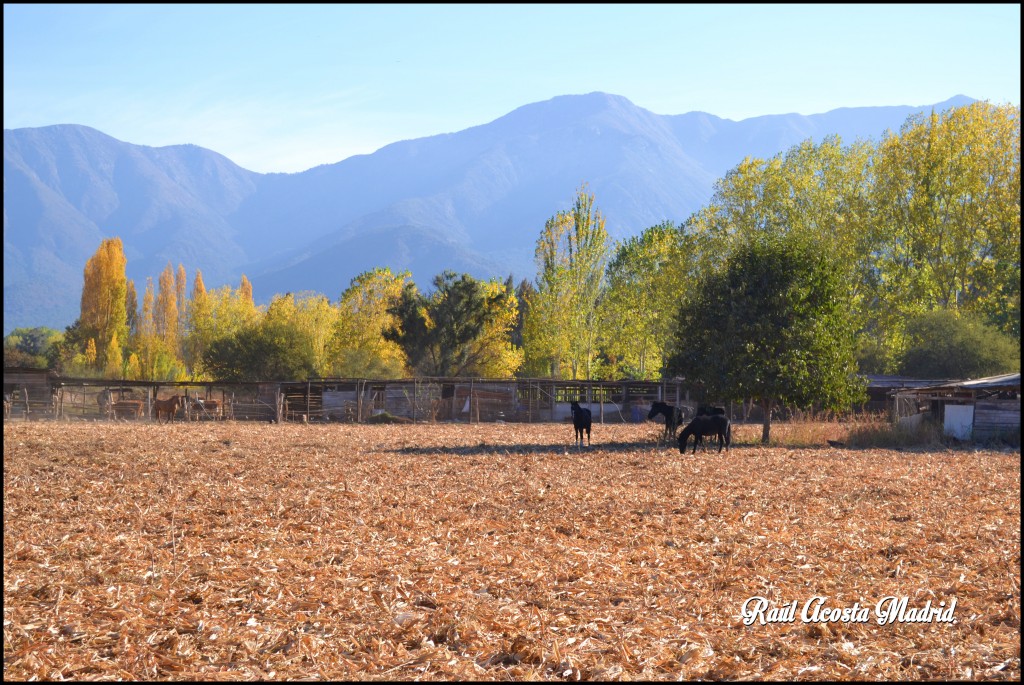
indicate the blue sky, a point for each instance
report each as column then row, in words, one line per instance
column 282, row 88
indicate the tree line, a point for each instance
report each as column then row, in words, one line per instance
column 809, row 267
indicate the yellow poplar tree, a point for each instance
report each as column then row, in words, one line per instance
column 115, row 359
column 315, row 318
column 493, row 354
column 146, row 338
column 358, row 346
column 133, row 370
column 90, row 352
column 165, row 315
column 199, row 313
column 104, row 312
column 245, row 290
column 181, row 299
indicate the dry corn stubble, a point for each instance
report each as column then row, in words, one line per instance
column 226, row 551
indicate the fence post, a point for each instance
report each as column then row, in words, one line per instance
column 360, row 384
column 554, row 398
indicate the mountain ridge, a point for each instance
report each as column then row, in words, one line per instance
column 472, row 200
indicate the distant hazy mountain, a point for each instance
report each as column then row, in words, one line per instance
column 473, row 201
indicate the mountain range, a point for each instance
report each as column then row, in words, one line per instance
column 473, row 201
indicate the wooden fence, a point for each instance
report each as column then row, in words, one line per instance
column 358, row 400
column 345, row 400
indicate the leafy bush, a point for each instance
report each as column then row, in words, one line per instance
column 942, row 344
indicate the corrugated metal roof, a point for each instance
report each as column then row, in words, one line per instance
column 882, row 381
column 1007, row 380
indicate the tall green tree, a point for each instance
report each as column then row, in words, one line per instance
column 820, row 191
column 772, row 325
column 546, row 322
column 947, row 207
column 642, row 301
column 437, row 332
column 562, row 325
column 272, row 348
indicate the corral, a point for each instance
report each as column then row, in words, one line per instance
column 40, row 394
column 227, row 550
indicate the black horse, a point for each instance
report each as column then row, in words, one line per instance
column 706, row 424
column 580, row 422
column 710, row 411
column 673, row 416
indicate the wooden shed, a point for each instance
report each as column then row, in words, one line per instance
column 978, row 409
column 30, row 391
column 882, row 388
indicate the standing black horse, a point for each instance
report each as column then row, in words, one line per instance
column 580, row 422
column 673, row 416
column 706, row 410
column 706, row 424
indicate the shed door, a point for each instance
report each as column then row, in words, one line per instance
column 959, row 421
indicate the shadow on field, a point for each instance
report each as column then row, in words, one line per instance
column 565, row 448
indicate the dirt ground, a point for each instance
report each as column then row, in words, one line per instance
column 239, row 551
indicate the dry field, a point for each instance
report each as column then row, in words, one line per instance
column 241, row 551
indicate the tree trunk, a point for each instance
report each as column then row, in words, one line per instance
column 766, row 426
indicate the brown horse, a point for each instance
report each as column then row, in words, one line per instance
column 200, row 409
column 126, row 409
column 167, row 407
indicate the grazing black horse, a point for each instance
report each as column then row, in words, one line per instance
column 707, row 410
column 673, row 416
column 706, row 424
column 580, row 422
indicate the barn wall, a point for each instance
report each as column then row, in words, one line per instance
column 993, row 418
column 957, row 420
